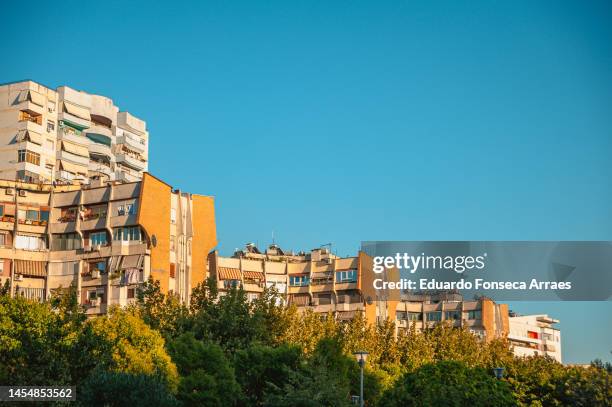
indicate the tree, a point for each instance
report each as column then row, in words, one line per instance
column 260, row 368
column 165, row 313
column 207, row 377
column 35, row 343
column 123, row 342
column 120, row 389
column 448, row 383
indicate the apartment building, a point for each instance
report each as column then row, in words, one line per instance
column 535, row 335
column 105, row 238
column 325, row 283
column 482, row 317
column 318, row 280
column 66, row 136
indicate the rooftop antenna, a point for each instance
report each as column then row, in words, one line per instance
column 273, row 242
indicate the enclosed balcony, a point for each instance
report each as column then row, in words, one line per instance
column 131, row 161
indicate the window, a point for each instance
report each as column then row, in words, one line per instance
column 131, row 293
column 172, row 243
column 98, row 239
column 126, row 234
column 66, row 241
column 173, row 216
column 298, row 281
column 68, row 215
column 227, row 284
column 474, row 314
column 31, row 214
column 26, row 242
column 452, row 315
column 2, row 243
column 532, row 335
column 434, row 316
column 409, row 316
column 28, row 156
column 50, row 126
column 95, row 212
column 172, row 270
column 346, row 276
column 130, row 209
column 25, row 116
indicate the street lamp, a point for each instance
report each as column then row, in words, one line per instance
column 498, row 372
column 361, row 356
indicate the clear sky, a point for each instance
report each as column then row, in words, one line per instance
column 342, row 121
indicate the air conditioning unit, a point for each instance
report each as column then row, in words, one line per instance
column 18, row 277
column 95, row 274
column 9, row 191
column 22, row 192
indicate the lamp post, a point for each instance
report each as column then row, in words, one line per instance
column 498, row 372
column 361, row 356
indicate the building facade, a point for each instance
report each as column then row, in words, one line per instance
column 535, row 335
column 68, row 136
column 105, row 239
column 325, row 283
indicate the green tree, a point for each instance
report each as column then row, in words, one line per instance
column 448, row 383
column 260, row 368
column 207, row 377
column 120, row 389
column 123, row 342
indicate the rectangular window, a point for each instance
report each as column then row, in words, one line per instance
column 2, row 243
column 227, row 284
column 299, row 281
column 25, row 116
column 98, row 239
column 131, row 293
column 32, row 215
column 28, row 156
column 346, row 276
column 50, row 126
column 26, row 242
column 66, row 241
column 434, row 316
column 125, row 234
column 474, row 314
column 532, row 335
column 452, row 315
column 130, row 209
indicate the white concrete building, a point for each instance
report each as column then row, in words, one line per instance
column 67, row 136
column 535, row 335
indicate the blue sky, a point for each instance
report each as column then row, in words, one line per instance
column 347, row 121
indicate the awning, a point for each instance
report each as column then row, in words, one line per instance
column 227, row 273
column 300, row 299
column 253, row 275
column 29, row 135
column 73, row 168
column 75, row 148
column 131, row 261
column 345, row 315
column 30, row 268
column 36, row 98
column 77, row 111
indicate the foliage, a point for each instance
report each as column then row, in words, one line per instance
column 120, row 389
column 448, row 383
column 207, row 377
column 227, row 350
column 123, row 342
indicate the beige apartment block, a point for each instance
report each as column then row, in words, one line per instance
column 535, row 335
column 105, row 239
column 68, row 136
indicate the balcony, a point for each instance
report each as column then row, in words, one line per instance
column 125, row 176
column 100, row 149
column 97, row 167
column 129, row 161
column 93, row 223
column 131, row 143
column 30, row 126
column 127, row 121
column 73, row 158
